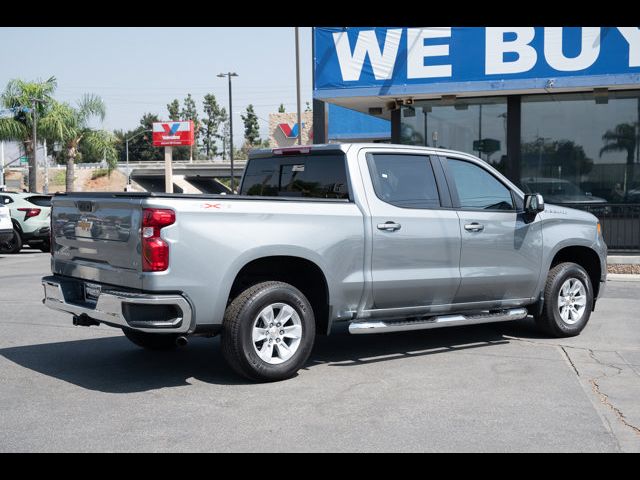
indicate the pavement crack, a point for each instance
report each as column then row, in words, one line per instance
column 604, row 398
column 573, row 365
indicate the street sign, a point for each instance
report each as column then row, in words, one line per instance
column 11, row 112
column 172, row 134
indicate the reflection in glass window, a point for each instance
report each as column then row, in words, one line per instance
column 575, row 150
column 404, row 180
column 477, row 188
column 473, row 125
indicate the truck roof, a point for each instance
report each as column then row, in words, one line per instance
column 328, row 147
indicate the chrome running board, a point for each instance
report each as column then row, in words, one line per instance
column 379, row 326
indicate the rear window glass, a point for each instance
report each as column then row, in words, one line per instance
column 307, row 176
column 40, row 200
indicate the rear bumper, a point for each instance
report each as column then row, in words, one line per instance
column 119, row 308
column 39, row 235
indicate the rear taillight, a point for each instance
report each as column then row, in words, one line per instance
column 30, row 212
column 155, row 251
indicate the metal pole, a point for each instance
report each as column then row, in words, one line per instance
column 46, row 169
column 168, row 171
column 1, row 166
column 126, row 141
column 298, row 87
column 33, row 166
column 231, row 134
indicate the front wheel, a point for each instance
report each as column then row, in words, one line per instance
column 268, row 332
column 568, row 301
column 14, row 245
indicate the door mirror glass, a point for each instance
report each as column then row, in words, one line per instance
column 533, row 203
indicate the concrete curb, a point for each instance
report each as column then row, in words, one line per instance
column 623, row 277
column 623, row 259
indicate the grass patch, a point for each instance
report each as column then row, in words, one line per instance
column 59, row 177
column 100, row 172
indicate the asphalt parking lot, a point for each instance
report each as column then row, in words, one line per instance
column 498, row 387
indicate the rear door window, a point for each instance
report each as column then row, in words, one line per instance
column 404, row 180
column 305, row 176
column 40, row 200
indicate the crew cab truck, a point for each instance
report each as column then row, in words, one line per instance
column 385, row 237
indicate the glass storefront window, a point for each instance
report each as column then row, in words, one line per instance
column 575, row 149
column 473, row 125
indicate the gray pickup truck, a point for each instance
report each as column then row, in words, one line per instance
column 385, row 237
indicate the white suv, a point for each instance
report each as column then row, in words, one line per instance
column 30, row 215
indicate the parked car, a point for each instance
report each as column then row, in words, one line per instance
column 6, row 227
column 30, row 214
column 385, row 238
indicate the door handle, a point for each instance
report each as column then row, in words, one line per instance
column 474, row 227
column 389, row 226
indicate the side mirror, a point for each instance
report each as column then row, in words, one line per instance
column 533, row 204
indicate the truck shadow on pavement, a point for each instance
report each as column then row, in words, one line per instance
column 115, row 365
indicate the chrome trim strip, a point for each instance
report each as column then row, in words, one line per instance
column 108, row 308
column 435, row 322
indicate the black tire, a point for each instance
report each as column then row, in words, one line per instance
column 237, row 342
column 14, row 245
column 550, row 321
column 151, row 341
column 45, row 247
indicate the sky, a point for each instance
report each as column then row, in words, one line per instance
column 141, row 69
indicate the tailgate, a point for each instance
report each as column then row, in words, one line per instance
column 97, row 239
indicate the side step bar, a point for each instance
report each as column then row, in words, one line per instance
column 379, row 326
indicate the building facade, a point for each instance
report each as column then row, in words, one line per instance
column 557, row 110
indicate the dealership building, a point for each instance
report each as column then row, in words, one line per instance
column 556, row 110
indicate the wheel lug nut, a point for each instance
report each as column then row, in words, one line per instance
column 277, row 340
column 277, row 325
column 281, row 332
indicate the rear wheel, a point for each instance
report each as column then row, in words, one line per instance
column 268, row 332
column 568, row 301
column 45, row 247
column 151, row 341
column 14, row 245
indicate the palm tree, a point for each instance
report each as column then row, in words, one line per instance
column 70, row 125
column 20, row 96
column 622, row 138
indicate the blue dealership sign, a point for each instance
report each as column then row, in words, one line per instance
column 364, row 61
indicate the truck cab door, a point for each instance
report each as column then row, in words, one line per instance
column 501, row 255
column 415, row 235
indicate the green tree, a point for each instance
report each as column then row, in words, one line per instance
column 101, row 145
column 190, row 112
column 226, row 135
column 214, row 117
column 141, row 147
column 19, row 95
column 623, row 138
column 281, row 108
column 251, row 129
column 174, row 110
column 70, row 126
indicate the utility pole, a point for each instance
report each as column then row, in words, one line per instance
column 222, row 75
column 1, row 166
column 33, row 166
column 45, row 189
column 298, row 87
